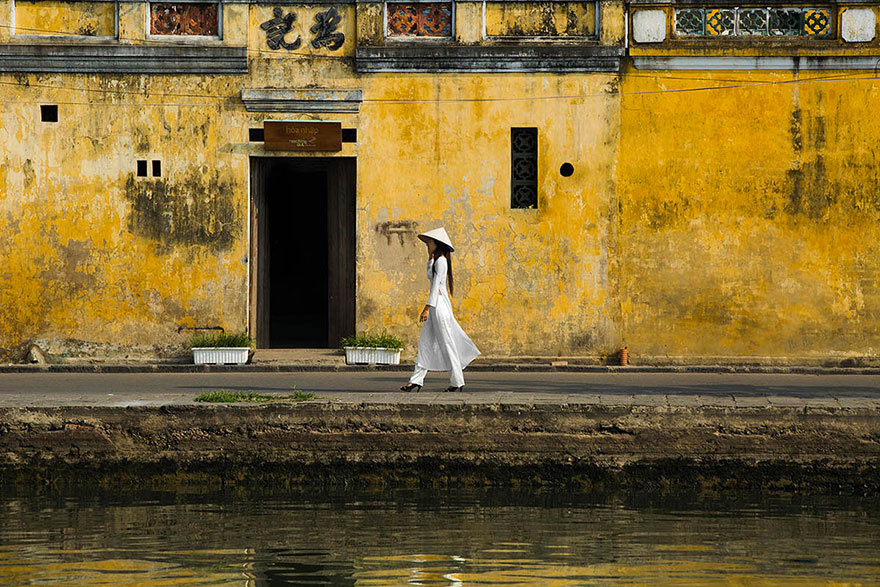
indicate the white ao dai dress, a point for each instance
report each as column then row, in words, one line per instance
column 443, row 345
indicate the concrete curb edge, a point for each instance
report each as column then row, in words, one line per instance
column 498, row 367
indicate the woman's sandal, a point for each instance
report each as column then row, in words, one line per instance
column 411, row 387
column 451, row 389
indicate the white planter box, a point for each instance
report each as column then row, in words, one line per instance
column 371, row 355
column 220, row 355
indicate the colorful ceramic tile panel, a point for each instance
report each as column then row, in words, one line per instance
column 420, row 19
column 720, row 21
column 689, row 21
column 753, row 22
column 817, row 22
column 184, row 18
column 785, row 22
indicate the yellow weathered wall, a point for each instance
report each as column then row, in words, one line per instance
column 749, row 215
column 91, row 252
column 540, row 19
column 724, row 222
column 51, row 18
column 95, row 254
column 527, row 281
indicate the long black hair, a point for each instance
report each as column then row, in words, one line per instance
column 443, row 250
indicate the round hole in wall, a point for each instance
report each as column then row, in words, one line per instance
column 566, row 170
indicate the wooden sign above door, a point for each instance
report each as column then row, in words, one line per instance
column 284, row 135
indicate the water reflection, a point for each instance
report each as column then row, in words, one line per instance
column 449, row 538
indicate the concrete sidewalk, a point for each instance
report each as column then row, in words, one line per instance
column 482, row 366
column 623, row 389
column 333, row 360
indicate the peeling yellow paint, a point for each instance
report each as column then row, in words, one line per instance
column 540, row 19
column 64, row 18
column 748, row 224
column 511, row 266
column 726, row 221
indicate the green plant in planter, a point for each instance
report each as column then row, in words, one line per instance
column 384, row 340
column 221, row 339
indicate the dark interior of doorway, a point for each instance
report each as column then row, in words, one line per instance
column 296, row 198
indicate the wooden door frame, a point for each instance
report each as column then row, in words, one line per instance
column 341, row 232
column 257, row 201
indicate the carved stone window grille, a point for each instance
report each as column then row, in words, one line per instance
column 419, row 19
column 523, row 167
column 201, row 19
column 754, row 22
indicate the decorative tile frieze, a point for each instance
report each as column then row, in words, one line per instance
column 690, row 22
column 753, row 22
column 185, row 18
column 720, row 22
column 785, row 22
column 817, row 22
column 419, row 19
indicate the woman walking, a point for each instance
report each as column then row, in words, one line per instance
column 443, row 345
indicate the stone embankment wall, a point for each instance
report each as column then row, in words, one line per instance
column 704, row 448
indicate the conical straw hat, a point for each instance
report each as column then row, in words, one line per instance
column 439, row 235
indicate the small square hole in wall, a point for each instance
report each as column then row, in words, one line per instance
column 255, row 135
column 142, row 168
column 157, row 168
column 349, row 135
column 49, row 113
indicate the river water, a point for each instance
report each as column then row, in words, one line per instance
column 431, row 537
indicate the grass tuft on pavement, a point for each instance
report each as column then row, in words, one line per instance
column 229, row 397
column 302, row 396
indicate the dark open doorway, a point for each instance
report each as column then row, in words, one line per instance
column 302, row 251
column 297, row 256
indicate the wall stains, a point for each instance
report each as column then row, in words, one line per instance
column 402, row 231
column 141, row 140
column 573, row 23
column 749, row 236
column 540, row 19
column 72, row 268
column 666, row 213
column 194, row 210
column 29, row 175
column 53, row 17
column 807, row 186
column 367, row 308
